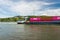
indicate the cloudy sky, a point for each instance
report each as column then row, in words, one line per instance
column 10, row 8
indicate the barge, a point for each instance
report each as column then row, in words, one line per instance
column 44, row 20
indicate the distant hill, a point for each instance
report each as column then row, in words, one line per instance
column 11, row 19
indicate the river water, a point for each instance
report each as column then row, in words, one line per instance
column 14, row 31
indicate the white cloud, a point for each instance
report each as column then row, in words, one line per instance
column 28, row 8
column 25, row 8
column 52, row 12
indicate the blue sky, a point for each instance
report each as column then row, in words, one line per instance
column 10, row 8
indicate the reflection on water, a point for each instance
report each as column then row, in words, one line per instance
column 29, row 32
column 44, row 32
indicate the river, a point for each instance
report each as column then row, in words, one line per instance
column 14, row 31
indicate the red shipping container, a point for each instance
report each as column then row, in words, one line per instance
column 56, row 17
column 35, row 19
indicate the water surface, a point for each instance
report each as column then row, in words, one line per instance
column 14, row 31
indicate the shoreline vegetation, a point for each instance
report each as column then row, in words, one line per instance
column 11, row 19
column 16, row 18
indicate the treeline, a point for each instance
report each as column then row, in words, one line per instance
column 12, row 19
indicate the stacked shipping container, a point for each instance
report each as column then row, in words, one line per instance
column 39, row 19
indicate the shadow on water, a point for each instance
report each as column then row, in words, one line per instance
column 43, row 32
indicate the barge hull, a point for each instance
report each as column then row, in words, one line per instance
column 51, row 22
